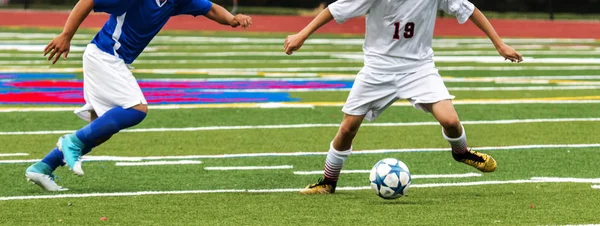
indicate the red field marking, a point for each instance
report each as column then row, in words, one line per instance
column 290, row 24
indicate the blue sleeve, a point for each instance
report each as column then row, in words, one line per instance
column 193, row 7
column 114, row 7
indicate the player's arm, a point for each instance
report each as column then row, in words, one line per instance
column 220, row 15
column 340, row 11
column 484, row 24
column 61, row 44
column 294, row 42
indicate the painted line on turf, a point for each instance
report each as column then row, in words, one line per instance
column 175, row 62
column 45, row 69
column 233, row 168
column 595, row 186
column 156, row 163
column 277, row 105
column 13, row 154
column 279, row 190
column 293, row 154
column 426, row 176
column 297, row 126
column 581, row 225
column 572, row 180
column 339, row 58
column 187, row 38
column 229, row 51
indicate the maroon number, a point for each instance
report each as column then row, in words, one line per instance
column 409, row 30
column 397, row 30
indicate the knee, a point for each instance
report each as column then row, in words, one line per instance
column 451, row 124
column 348, row 131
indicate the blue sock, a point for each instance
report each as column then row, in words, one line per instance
column 54, row 159
column 108, row 124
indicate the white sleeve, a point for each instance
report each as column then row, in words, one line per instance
column 462, row 9
column 343, row 10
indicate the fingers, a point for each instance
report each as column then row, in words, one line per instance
column 247, row 22
column 242, row 20
column 55, row 53
column 57, row 57
column 52, row 53
column 287, row 47
column 515, row 57
column 48, row 48
column 520, row 56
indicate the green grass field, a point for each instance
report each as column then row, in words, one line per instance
column 539, row 120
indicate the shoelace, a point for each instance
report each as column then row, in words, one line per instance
column 319, row 183
column 52, row 177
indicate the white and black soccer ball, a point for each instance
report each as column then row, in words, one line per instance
column 390, row 178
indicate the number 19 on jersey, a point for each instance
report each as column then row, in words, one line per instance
column 409, row 30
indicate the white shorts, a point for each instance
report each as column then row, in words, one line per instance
column 373, row 91
column 107, row 83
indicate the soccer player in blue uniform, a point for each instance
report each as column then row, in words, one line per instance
column 114, row 100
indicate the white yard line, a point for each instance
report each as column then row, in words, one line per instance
column 595, row 186
column 251, row 71
column 295, row 154
column 35, row 48
column 155, row 163
column 517, row 68
column 13, row 154
column 345, row 58
column 296, row 126
column 207, row 61
column 425, row 176
column 17, row 35
column 189, row 38
column 235, row 168
column 525, row 52
column 581, row 225
column 571, row 180
column 276, row 190
column 230, row 51
column 311, row 105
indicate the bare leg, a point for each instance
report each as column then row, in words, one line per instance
column 454, row 133
column 444, row 112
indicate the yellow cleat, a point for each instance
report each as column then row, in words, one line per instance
column 321, row 187
column 483, row 162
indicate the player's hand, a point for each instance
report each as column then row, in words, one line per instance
column 60, row 45
column 293, row 43
column 509, row 53
column 241, row 20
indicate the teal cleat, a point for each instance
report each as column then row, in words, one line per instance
column 40, row 173
column 71, row 148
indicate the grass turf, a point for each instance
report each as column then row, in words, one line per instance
column 513, row 204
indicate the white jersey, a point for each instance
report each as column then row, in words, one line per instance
column 399, row 32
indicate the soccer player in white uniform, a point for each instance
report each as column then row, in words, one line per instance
column 114, row 100
column 398, row 64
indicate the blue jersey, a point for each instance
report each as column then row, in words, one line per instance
column 134, row 23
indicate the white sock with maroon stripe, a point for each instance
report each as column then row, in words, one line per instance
column 459, row 145
column 335, row 162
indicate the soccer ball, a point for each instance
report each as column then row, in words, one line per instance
column 390, row 178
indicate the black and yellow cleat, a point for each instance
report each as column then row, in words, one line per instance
column 483, row 162
column 323, row 186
